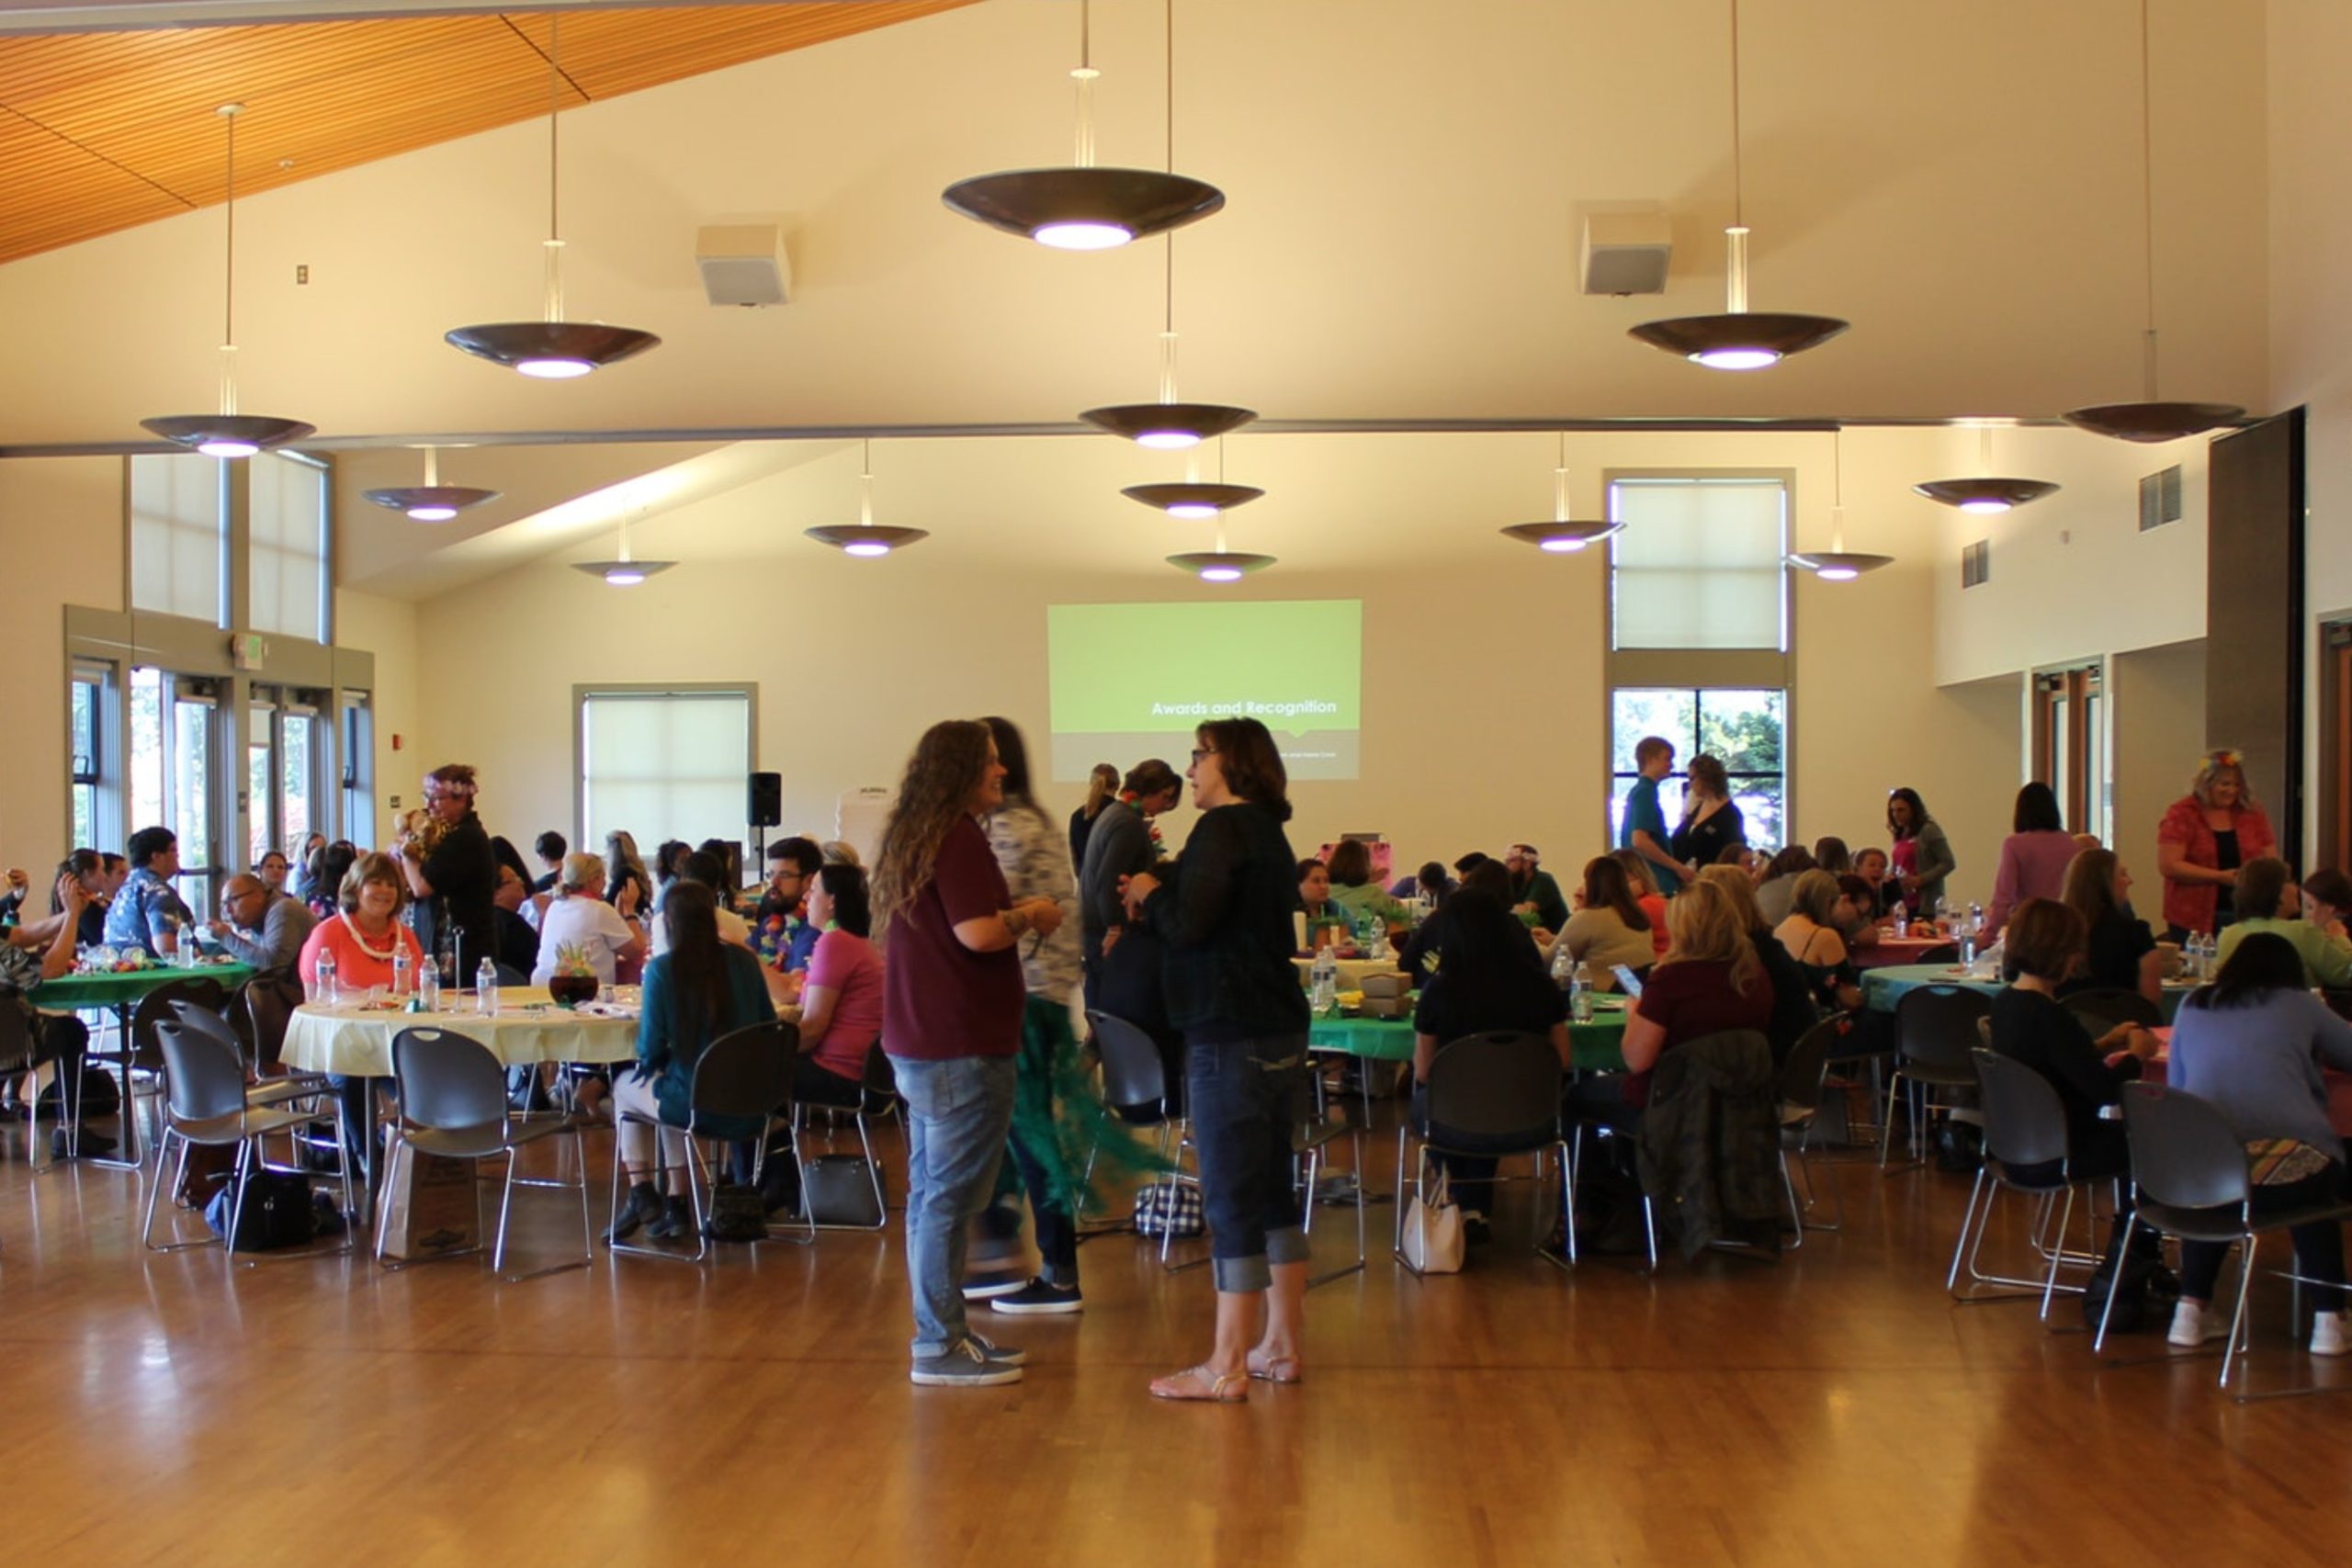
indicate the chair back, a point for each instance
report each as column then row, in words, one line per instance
column 159, row 1006
column 269, row 1008
column 15, row 1037
column 2025, row 1122
column 880, row 1086
column 203, row 1077
column 745, row 1072
column 199, row 1020
column 2184, row 1151
column 2103, row 1007
column 1504, row 1083
column 1936, row 1025
column 446, row 1080
column 1801, row 1074
column 1133, row 1074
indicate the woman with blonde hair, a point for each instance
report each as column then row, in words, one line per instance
column 2205, row 836
column 953, row 1002
column 1102, row 788
column 1811, row 934
column 1792, row 1008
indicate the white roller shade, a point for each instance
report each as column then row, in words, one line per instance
column 664, row 765
column 1699, row 564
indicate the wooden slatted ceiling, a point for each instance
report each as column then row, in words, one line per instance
column 101, row 132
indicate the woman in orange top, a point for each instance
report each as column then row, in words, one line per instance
column 2210, row 832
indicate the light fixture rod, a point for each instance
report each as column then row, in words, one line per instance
column 432, row 467
column 554, row 305
column 1560, row 482
column 1167, row 95
column 1735, row 270
column 1738, row 183
column 865, row 482
column 1085, row 76
column 229, row 270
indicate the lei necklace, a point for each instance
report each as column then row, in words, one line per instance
column 360, row 940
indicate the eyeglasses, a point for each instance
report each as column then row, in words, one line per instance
column 1201, row 751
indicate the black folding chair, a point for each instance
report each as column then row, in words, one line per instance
column 1800, row 1090
column 744, row 1075
column 205, row 1104
column 1499, row 1090
column 137, row 1052
column 1135, row 1078
column 2025, row 1125
column 2189, row 1169
column 1936, row 1033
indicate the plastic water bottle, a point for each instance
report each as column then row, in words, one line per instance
column 486, row 989
column 429, row 986
column 1901, row 921
column 401, row 967
column 1580, row 994
column 1563, row 964
column 1325, row 978
column 1968, row 947
column 322, row 980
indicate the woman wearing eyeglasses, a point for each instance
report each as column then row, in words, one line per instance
column 2208, row 833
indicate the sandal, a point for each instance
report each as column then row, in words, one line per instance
column 1273, row 1369
column 1200, row 1385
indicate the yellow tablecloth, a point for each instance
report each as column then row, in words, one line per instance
column 1352, row 970
column 350, row 1039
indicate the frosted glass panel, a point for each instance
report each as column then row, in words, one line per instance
column 1699, row 564
column 176, row 535
column 287, row 507
column 664, row 765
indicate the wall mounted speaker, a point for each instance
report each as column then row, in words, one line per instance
column 766, row 801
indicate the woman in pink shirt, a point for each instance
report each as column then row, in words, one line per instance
column 364, row 931
column 840, row 1012
column 2034, row 857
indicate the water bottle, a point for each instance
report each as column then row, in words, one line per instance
column 322, row 980
column 399, row 970
column 1326, row 978
column 486, row 989
column 1968, row 947
column 429, row 986
column 1563, row 963
column 1901, row 921
column 1580, row 995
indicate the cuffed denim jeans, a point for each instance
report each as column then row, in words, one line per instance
column 1243, row 1096
column 959, row 1114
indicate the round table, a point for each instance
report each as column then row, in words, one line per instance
column 1894, row 951
column 1352, row 970
column 1595, row 1047
column 358, row 1040
column 1883, row 988
column 122, row 992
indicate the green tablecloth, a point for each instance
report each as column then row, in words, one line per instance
column 124, row 990
column 1883, row 988
column 1597, row 1046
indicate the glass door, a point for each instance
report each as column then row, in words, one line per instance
column 193, row 795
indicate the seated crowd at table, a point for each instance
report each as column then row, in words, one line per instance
column 951, row 965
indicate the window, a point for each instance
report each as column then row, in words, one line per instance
column 173, row 773
column 1699, row 564
column 1745, row 730
column 2070, row 744
column 89, row 715
column 286, row 516
column 178, row 507
column 663, row 762
column 358, row 777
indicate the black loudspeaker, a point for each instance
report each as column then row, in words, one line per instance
column 766, row 809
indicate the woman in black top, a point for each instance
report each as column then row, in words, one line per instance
column 1711, row 823
column 1421, row 949
column 2120, row 952
column 1488, row 979
column 2031, row 1026
column 1225, row 913
column 1102, row 788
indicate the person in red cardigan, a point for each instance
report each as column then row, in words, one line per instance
column 2208, row 833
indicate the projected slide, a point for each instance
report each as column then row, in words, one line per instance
column 1132, row 681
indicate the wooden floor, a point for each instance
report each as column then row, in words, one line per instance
column 1835, row 1408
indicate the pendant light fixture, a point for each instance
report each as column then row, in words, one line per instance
column 1986, row 496
column 229, row 434
column 551, row 349
column 1192, row 501
column 431, row 501
column 1561, row 536
column 623, row 572
column 1738, row 339
column 1835, row 564
column 865, row 537
column 1219, row 565
column 1169, row 425
column 2152, row 419
column 1085, row 208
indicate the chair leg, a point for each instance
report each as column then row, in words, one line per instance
column 1397, row 1241
column 1968, row 1222
column 1796, row 1213
column 2107, row 1310
column 2240, row 1330
column 147, row 1230
column 2057, row 1255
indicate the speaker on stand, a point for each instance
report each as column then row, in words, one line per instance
column 763, row 809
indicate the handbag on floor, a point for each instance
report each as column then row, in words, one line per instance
column 737, row 1212
column 838, row 1190
column 1434, row 1235
column 1168, row 1208
column 278, row 1212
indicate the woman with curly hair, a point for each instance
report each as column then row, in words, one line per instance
column 953, row 1002
column 2205, row 836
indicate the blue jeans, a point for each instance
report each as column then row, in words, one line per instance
column 959, row 1114
column 1243, row 1098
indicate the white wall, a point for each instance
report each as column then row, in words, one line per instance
column 2156, row 699
column 387, row 628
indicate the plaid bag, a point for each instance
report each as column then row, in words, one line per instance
column 1168, row 1208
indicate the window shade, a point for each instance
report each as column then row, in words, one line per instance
column 1699, row 564
column 664, row 765
column 175, row 511
column 287, row 518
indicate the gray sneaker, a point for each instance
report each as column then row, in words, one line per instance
column 965, row 1366
column 999, row 1355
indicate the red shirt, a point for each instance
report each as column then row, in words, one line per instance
column 355, row 967
column 940, row 1000
column 1694, row 998
column 2190, row 904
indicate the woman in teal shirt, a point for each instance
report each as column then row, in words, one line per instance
column 697, row 990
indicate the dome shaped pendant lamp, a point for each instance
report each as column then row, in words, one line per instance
column 2152, row 419
column 1169, row 425
column 1219, row 565
column 1738, row 339
column 551, row 349
column 229, row 434
column 1561, row 536
column 866, row 538
column 625, row 572
column 1193, row 500
column 1986, row 496
column 1837, row 564
column 431, row 501
column 1084, row 207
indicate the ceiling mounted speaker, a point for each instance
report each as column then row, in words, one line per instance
column 745, row 263
column 1627, row 253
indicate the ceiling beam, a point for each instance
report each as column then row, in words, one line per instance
column 91, row 16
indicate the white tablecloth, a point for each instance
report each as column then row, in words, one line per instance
column 349, row 1040
column 1352, row 970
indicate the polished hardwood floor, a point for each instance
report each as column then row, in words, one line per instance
column 1835, row 1407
